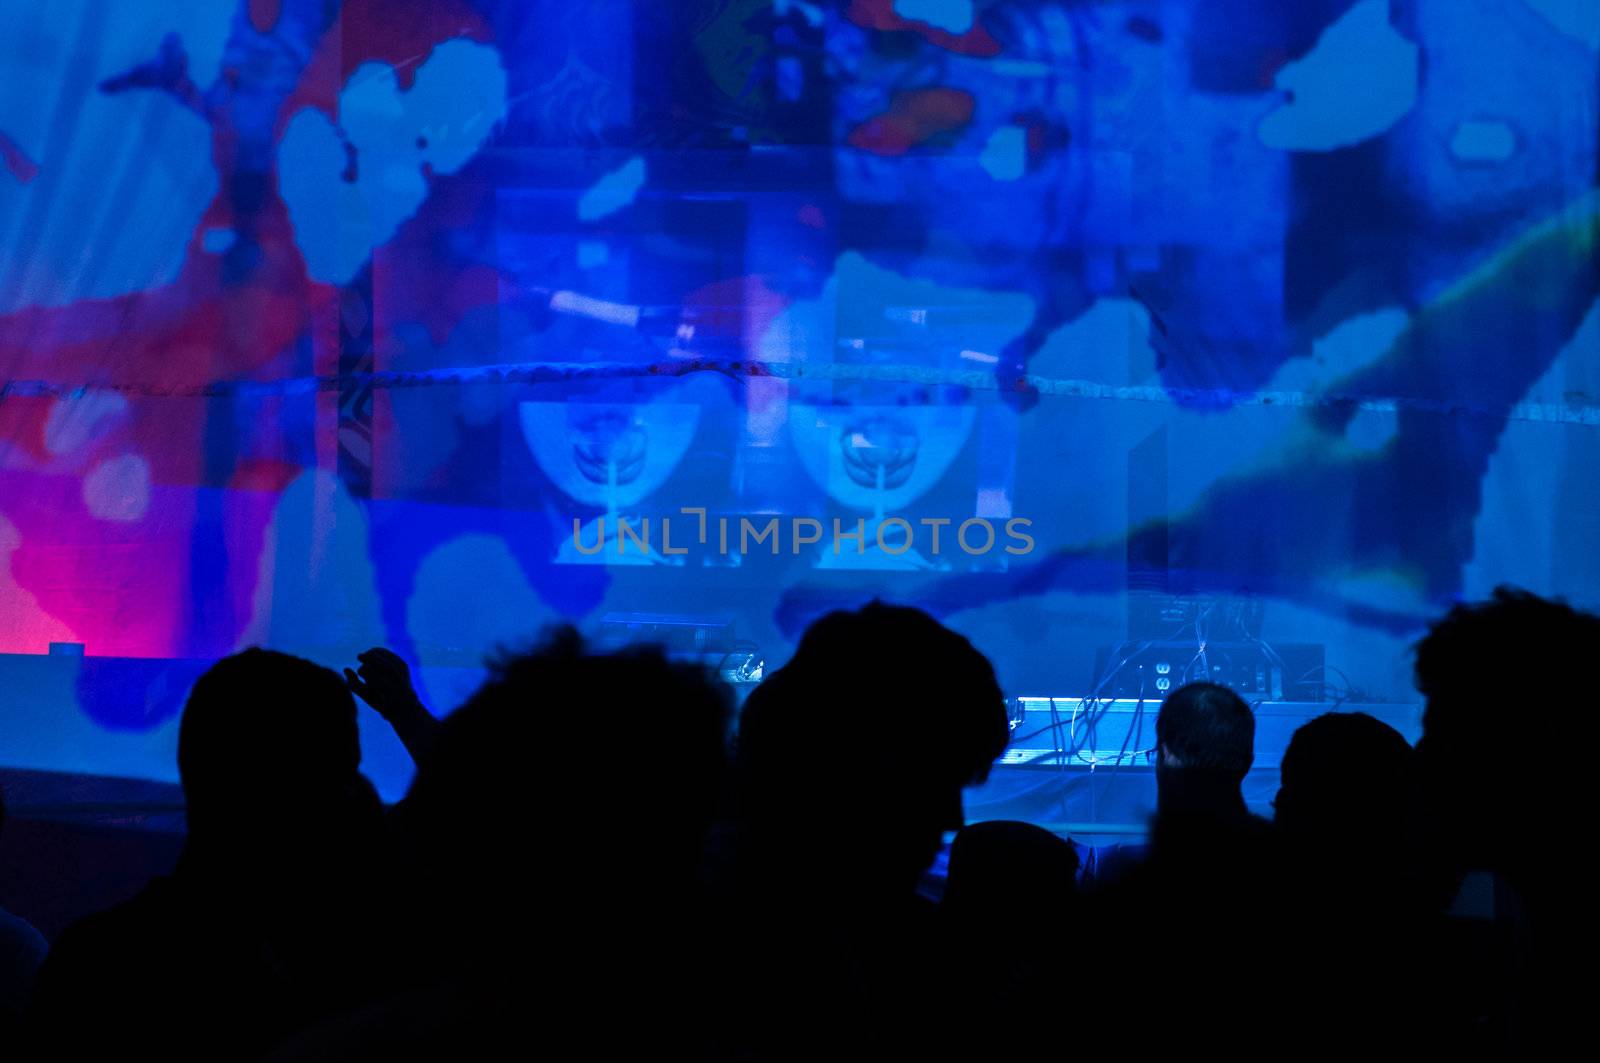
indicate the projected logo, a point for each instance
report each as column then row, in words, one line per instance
column 878, row 459
column 612, row 456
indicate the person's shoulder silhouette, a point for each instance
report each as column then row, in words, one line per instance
column 1199, row 910
column 1498, row 800
column 263, row 926
column 1485, row 670
column 1343, row 813
column 558, row 820
column 818, row 757
column 852, row 759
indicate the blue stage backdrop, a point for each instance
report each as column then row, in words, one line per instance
column 428, row 323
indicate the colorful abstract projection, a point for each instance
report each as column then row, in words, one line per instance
column 318, row 319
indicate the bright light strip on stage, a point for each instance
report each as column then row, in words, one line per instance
column 1083, row 732
column 1065, row 704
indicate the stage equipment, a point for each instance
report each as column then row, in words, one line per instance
column 1254, row 669
column 1087, row 766
column 709, row 641
column 1223, row 618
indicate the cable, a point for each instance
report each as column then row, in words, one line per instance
column 1092, row 707
column 1092, row 697
column 1055, row 733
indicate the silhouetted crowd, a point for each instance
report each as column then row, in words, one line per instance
column 590, row 864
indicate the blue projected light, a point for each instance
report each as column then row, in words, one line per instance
column 322, row 337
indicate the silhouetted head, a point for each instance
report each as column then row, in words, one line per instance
column 1346, row 776
column 268, row 749
column 1000, row 867
column 1205, row 736
column 582, row 774
column 1494, row 675
column 865, row 739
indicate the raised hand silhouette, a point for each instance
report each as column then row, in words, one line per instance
column 384, row 681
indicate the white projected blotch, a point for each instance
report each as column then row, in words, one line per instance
column 1359, row 80
column 455, row 100
column 118, row 489
column 122, row 178
column 317, row 586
